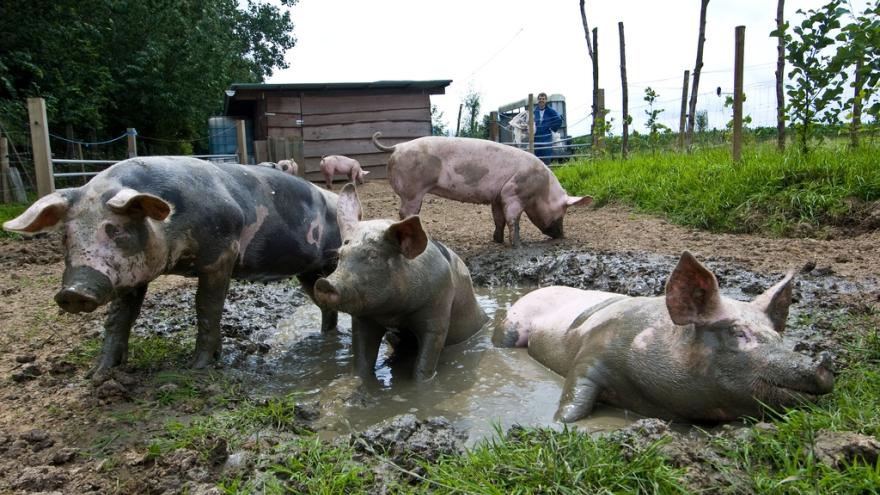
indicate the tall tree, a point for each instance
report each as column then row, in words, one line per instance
column 158, row 66
column 698, row 66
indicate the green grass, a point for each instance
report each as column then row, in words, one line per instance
column 768, row 192
column 234, row 425
column 8, row 212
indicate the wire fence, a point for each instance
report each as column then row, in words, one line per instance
column 75, row 159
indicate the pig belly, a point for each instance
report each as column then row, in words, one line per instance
column 555, row 319
column 484, row 192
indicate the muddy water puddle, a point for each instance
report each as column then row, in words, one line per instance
column 477, row 387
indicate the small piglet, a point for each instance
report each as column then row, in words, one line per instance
column 690, row 355
column 286, row 166
column 393, row 276
column 341, row 165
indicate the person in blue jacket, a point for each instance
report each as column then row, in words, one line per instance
column 547, row 120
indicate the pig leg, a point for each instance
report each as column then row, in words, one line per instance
column 329, row 318
column 498, row 217
column 579, row 394
column 210, row 296
column 411, row 206
column 328, row 180
column 366, row 337
column 120, row 317
column 431, row 328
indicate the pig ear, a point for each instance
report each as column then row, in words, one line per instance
column 692, row 293
column 776, row 300
column 42, row 216
column 348, row 209
column 133, row 203
column 409, row 235
column 578, row 200
column 364, row 172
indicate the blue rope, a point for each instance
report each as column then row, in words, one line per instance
column 133, row 132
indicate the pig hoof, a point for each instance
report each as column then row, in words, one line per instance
column 425, row 377
column 568, row 414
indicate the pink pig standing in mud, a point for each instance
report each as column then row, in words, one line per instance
column 392, row 277
column 144, row 217
column 513, row 181
column 690, row 355
column 341, row 165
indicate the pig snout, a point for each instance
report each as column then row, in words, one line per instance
column 824, row 373
column 325, row 293
column 554, row 230
column 83, row 290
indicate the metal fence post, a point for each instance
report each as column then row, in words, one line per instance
column 531, row 123
column 132, row 142
column 39, row 128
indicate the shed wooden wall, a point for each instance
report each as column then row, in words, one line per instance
column 343, row 123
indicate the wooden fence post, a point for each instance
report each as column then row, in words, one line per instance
column 531, row 111
column 593, row 137
column 132, row 142
column 684, row 101
column 4, row 170
column 624, row 137
column 740, row 40
column 493, row 126
column 39, row 128
column 600, row 123
column 241, row 137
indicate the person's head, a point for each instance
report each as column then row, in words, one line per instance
column 542, row 100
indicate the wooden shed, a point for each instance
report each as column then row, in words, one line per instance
column 310, row 120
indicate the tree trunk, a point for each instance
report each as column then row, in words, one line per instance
column 780, row 74
column 857, row 104
column 692, row 109
column 624, row 139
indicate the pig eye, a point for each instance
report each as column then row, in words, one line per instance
column 346, row 242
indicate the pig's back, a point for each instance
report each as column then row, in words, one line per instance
column 463, row 169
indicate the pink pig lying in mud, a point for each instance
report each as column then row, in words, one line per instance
column 341, row 165
column 690, row 355
column 392, row 276
column 513, row 181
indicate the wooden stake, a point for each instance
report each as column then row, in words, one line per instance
column 531, row 123
column 42, row 152
column 132, row 142
column 683, row 118
column 624, row 140
column 740, row 40
column 493, row 126
column 698, row 66
column 780, row 74
column 4, row 171
column 595, row 85
column 241, row 138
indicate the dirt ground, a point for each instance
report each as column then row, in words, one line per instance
column 48, row 408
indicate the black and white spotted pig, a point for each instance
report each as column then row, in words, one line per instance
column 145, row 217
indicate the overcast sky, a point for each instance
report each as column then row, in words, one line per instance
column 506, row 49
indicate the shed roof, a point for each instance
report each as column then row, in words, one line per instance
column 437, row 84
column 433, row 87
